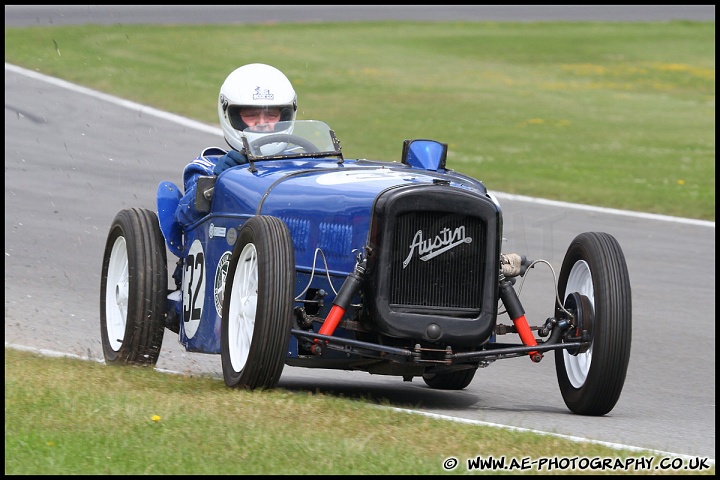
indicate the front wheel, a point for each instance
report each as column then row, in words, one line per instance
column 595, row 286
column 257, row 313
column 133, row 289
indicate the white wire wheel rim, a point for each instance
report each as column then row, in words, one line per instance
column 580, row 281
column 243, row 307
column 117, row 291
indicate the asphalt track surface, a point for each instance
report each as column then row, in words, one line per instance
column 74, row 158
column 48, row 15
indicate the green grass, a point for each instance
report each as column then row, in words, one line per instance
column 620, row 115
column 69, row 417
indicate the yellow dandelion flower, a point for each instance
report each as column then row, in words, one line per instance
column 155, row 418
column 681, row 182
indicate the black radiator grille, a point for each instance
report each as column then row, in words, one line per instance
column 437, row 260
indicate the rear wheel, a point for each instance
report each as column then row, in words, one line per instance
column 450, row 381
column 595, row 286
column 258, row 308
column 133, row 289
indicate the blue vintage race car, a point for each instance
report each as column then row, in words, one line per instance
column 309, row 259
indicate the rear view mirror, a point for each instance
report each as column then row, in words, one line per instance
column 425, row 154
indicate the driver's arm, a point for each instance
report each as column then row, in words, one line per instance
column 232, row 158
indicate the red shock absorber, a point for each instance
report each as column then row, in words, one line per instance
column 349, row 288
column 517, row 313
column 333, row 319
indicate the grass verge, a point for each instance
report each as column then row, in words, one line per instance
column 69, row 417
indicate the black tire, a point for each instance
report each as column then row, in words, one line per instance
column 449, row 381
column 594, row 267
column 257, row 312
column 133, row 289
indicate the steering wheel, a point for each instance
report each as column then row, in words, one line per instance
column 289, row 138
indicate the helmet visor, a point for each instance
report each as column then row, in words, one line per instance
column 243, row 116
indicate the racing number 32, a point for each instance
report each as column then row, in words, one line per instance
column 193, row 282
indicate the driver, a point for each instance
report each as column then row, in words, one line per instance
column 254, row 95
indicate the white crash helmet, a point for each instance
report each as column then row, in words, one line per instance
column 256, row 85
